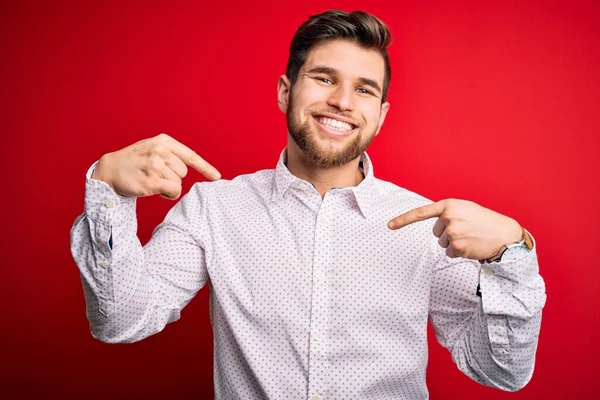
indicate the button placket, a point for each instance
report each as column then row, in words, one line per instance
column 318, row 368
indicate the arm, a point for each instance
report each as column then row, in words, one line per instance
column 492, row 338
column 492, row 335
column 131, row 291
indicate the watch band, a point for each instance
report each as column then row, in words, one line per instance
column 528, row 240
column 525, row 240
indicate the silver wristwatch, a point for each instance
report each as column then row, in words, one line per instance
column 514, row 251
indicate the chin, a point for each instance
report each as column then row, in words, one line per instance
column 325, row 156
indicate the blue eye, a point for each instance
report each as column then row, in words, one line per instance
column 325, row 80
column 363, row 91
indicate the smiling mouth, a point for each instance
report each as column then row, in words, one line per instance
column 334, row 125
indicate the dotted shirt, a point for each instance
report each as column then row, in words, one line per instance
column 311, row 298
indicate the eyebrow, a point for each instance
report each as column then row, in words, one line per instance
column 334, row 72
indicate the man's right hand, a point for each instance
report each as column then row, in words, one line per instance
column 151, row 166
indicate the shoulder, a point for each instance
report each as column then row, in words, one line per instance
column 390, row 200
column 243, row 186
column 397, row 196
column 209, row 204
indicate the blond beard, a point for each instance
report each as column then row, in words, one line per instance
column 315, row 154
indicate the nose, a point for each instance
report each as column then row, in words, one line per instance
column 341, row 98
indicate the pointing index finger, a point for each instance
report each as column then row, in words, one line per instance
column 192, row 159
column 417, row 214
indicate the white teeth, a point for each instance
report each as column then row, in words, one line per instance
column 335, row 124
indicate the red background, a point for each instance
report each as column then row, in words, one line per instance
column 495, row 102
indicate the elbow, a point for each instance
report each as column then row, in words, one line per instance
column 112, row 336
column 517, row 383
column 108, row 329
column 105, row 328
column 511, row 379
column 503, row 373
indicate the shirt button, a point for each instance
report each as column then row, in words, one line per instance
column 488, row 271
column 319, row 276
column 324, row 219
column 110, row 203
column 315, row 397
column 318, row 336
column 303, row 186
column 104, row 264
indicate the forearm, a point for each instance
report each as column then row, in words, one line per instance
column 120, row 304
column 492, row 336
column 498, row 350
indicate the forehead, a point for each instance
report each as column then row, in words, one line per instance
column 351, row 60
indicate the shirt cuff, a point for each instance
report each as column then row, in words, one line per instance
column 103, row 204
column 513, row 288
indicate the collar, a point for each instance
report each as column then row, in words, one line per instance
column 364, row 192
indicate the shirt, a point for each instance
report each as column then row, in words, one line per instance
column 311, row 297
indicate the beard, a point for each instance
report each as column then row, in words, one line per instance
column 321, row 155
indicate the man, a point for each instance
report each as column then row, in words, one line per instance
column 322, row 276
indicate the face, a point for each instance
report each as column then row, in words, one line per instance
column 334, row 108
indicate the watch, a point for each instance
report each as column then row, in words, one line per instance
column 514, row 251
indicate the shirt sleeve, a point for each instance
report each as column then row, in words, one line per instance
column 133, row 291
column 492, row 333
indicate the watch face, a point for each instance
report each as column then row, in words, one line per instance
column 515, row 253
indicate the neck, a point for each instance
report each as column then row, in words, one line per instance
column 323, row 179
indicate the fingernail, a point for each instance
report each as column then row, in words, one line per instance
column 217, row 175
column 391, row 224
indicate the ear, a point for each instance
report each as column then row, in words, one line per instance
column 384, row 110
column 283, row 93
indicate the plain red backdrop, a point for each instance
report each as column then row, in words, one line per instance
column 495, row 102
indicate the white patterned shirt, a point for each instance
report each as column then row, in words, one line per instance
column 311, row 298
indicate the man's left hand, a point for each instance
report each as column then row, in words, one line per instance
column 465, row 229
